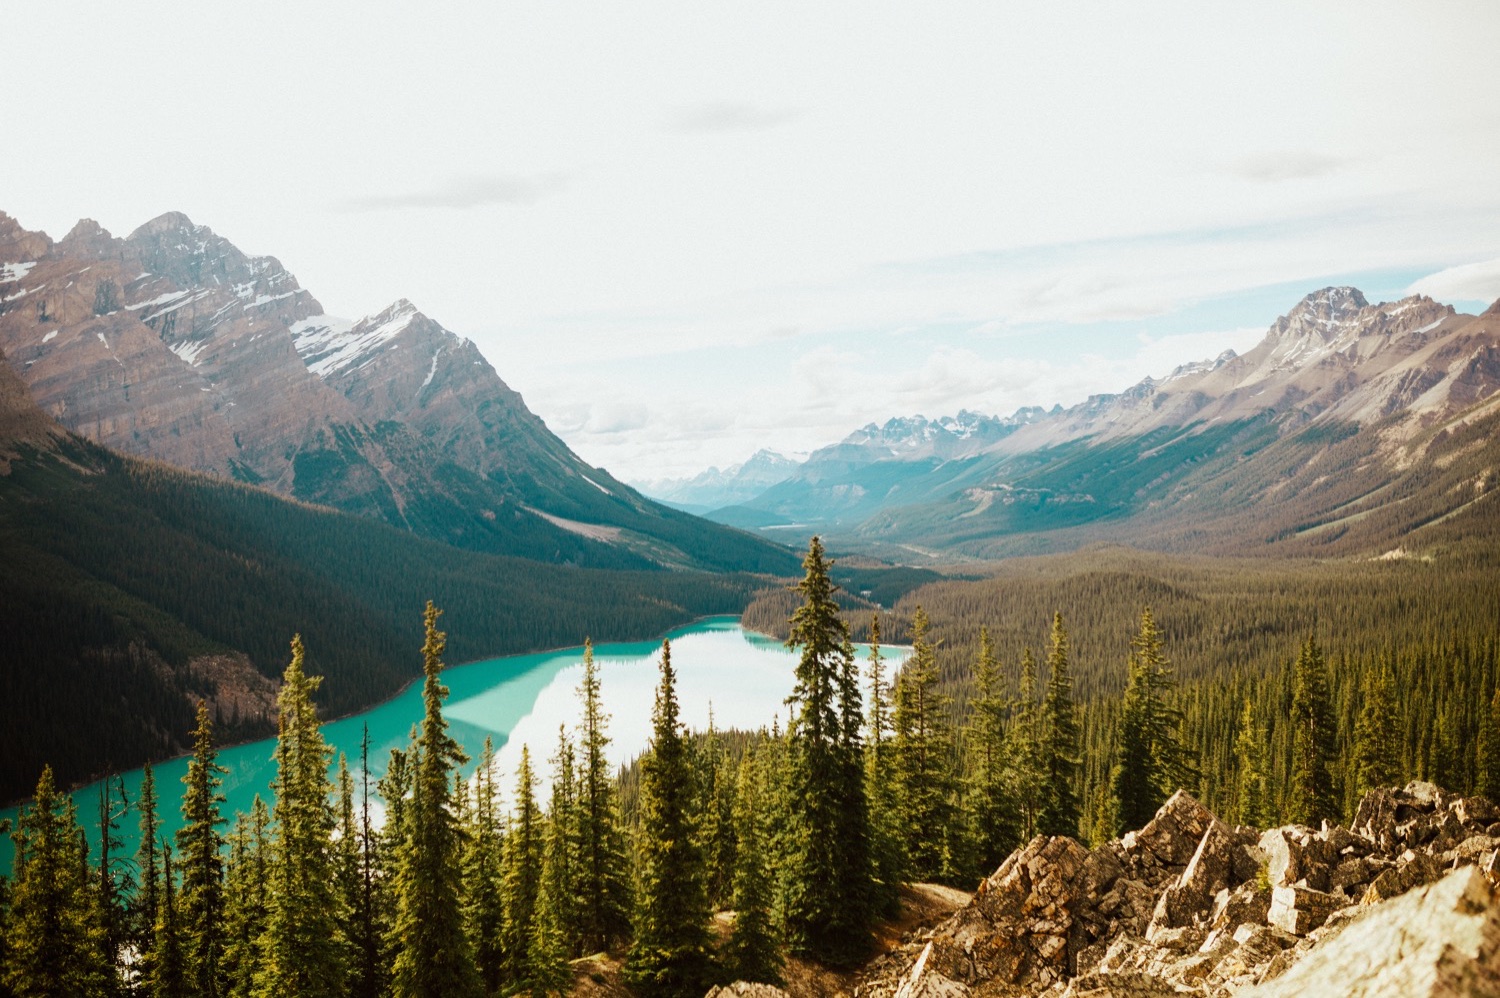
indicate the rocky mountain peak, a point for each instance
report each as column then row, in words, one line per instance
column 88, row 238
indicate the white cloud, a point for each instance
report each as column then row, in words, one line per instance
column 1467, row 282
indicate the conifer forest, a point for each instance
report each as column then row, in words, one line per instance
column 719, row 855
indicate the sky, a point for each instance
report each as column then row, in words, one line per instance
column 687, row 231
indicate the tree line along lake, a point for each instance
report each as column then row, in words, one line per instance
column 738, row 678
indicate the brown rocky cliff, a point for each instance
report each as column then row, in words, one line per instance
column 1189, row 905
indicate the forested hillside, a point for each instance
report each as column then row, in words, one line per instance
column 132, row 587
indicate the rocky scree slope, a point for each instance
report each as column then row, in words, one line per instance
column 1403, row 902
column 171, row 343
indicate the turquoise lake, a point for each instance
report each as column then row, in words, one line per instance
column 742, row 677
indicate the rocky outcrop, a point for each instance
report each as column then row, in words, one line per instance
column 1190, row 905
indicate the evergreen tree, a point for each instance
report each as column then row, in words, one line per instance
column 433, row 955
column 887, row 843
column 827, row 895
column 302, row 952
column 670, row 957
column 922, row 747
column 604, row 884
column 1024, row 746
column 995, row 821
column 1253, row 796
column 247, row 899
column 53, row 934
column 751, row 952
column 1150, row 762
column 201, row 918
column 1313, row 741
column 147, row 864
column 523, row 873
column 561, row 852
column 369, row 920
column 556, row 920
column 1376, row 762
column 718, row 834
column 115, row 883
column 1060, row 749
column 484, row 911
column 166, row 972
column 1489, row 750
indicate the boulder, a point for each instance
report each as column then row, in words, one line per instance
column 1208, row 872
column 1414, row 870
column 1299, row 910
column 1294, row 855
column 1173, row 834
column 1442, row 941
column 921, row 982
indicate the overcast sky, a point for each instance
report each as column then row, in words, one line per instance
column 687, row 231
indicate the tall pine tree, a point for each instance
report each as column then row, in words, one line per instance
column 671, row 955
column 201, row 918
column 523, row 875
column 55, row 942
column 1024, row 746
column 887, row 843
column 604, row 882
column 992, row 807
column 923, row 758
column 751, row 952
column 303, row 952
column 484, row 906
column 1377, row 761
column 827, row 884
column 1314, row 737
column 433, row 955
column 1150, row 763
column 1489, row 750
column 1060, row 735
column 147, row 864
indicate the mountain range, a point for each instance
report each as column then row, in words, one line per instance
column 173, row 344
column 1350, row 425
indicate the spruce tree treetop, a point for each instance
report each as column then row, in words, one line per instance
column 433, row 957
column 200, row 842
column 671, row 956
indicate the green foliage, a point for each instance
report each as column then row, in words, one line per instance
column 1313, row 747
column 993, row 818
column 751, row 952
column 55, row 943
column 887, row 844
column 484, row 873
column 1150, row 763
column 924, row 768
column 1252, row 806
column 671, row 955
column 433, row 956
column 604, row 881
column 523, row 876
column 302, row 949
column 827, row 896
column 1060, row 811
column 247, row 899
column 1376, row 763
column 201, row 918
column 108, row 619
column 147, row 863
column 1488, row 782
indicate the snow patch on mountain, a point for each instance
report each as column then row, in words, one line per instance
column 328, row 345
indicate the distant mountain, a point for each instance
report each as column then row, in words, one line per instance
column 1349, row 427
column 713, row 489
column 173, row 344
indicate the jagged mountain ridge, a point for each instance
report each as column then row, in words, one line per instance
column 1368, row 390
column 173, row 344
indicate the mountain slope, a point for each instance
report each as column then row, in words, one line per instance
column 131, row 589
column 173, row 344
column 1349, row 428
